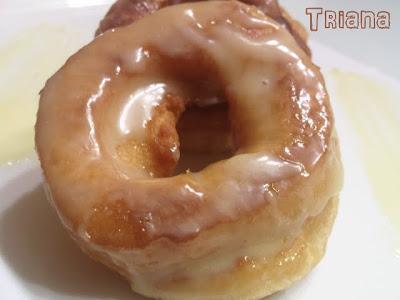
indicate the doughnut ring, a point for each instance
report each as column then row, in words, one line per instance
column 241, row 228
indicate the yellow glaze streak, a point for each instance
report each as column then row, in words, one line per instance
column 26, row 61
column 372, row 108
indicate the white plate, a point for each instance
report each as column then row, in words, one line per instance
column 39, row 261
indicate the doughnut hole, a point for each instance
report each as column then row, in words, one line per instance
column 181, row 140
column 186, row 140
column 205, row 137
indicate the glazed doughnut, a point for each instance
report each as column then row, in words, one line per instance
column 241, row 228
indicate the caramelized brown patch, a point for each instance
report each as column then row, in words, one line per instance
column 135, row 153
column 163, row 138
column 124, row 12
column 159, row 153
column 116, row 225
